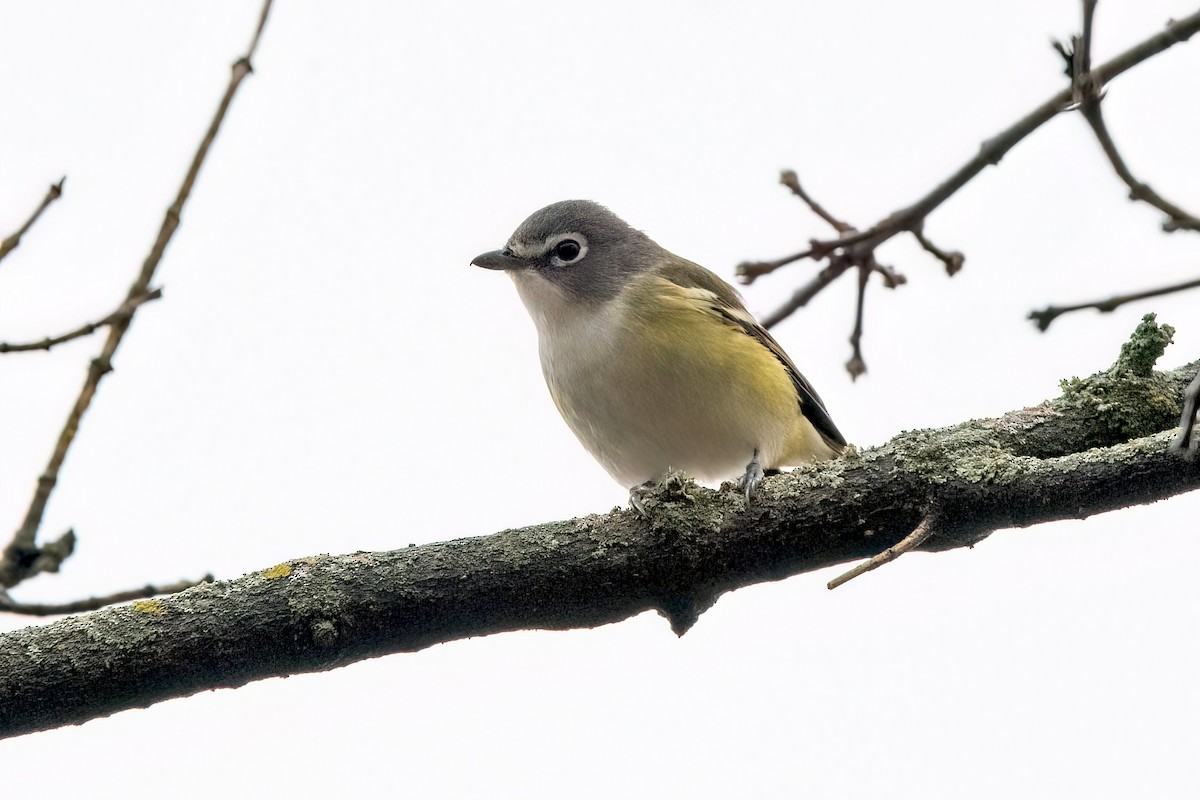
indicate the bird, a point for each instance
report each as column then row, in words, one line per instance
column 653, row 361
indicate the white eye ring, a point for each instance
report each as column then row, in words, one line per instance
column 566, row 249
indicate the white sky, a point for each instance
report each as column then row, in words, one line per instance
column 326, row 374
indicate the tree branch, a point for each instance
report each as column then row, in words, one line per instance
column 13, row 241
column 22, row 558
column 1102, row 445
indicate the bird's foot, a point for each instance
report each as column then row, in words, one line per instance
column 637, row 496
column 674, row 486
column 753, row 476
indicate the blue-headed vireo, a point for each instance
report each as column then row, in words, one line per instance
column 652, row 360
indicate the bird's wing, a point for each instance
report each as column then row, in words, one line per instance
column 726, row 302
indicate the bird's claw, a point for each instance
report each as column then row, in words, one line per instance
column 750, row 480
column 637, row 495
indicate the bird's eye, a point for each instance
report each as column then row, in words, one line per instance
column 567, row 250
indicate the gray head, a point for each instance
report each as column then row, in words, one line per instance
column 579, row 246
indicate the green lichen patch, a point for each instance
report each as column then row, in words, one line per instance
column 1147, row 344
column 1129, row 399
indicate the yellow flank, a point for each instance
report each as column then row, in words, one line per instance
column 692, row 330
column 679, row 341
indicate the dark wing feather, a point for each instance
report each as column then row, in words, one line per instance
column 729, row 305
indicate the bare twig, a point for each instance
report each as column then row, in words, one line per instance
column 23, row 551
column 1177, row 218
column 800, row 298
column 953, row 259
column 891, row 278
column 748, row 271
column 926, row 528
column 1044, row 317
column 1084, row 44
column 790, row 179
column 839, row 262
column 857, row 365
column 11, row 243
column 123, row 312
column 1187, row 442
column 7, row 604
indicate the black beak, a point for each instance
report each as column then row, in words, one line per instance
column 498, row 259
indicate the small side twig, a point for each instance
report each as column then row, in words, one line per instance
column 1177, row 218
column 1187, row 442
column 857, row 365
column 891, row 278
column 11, row 243
column 800, row 298
column 7, row 604
column 123, row 313
column 1047, row 315
column 952, row 259
column 926, row 528
column 791, row 180
column 749, row 271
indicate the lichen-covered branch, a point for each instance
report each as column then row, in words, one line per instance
column 1100, row 446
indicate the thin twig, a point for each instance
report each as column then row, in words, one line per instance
column 857, row 365
column 790, row 179
column 7, row 604
column 748, row 271
column 1047, row 315
column 22, row 550
column 1084, row 43
column 1177, row 218
column 923, row 531
column 11, row 243
column 952, row 259
column 891, row 278
column 799, row 298
column 1187, row 442
column 124, row 311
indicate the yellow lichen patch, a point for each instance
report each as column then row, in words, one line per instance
column 278, row 571
column 155, row 607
